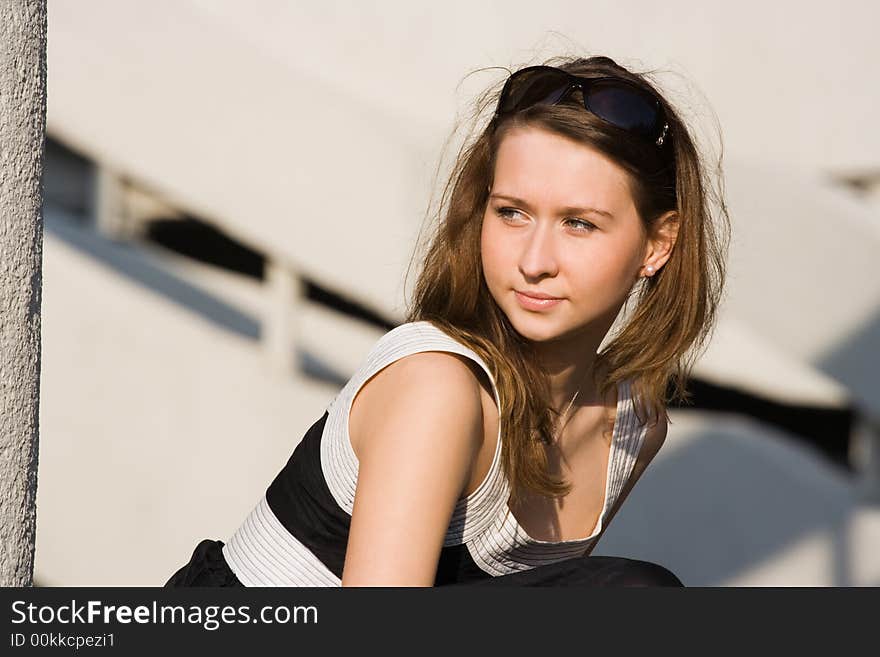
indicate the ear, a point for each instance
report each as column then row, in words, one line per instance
column 661, row 238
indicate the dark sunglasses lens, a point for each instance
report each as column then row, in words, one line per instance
column 623, row 106
column 537, row 86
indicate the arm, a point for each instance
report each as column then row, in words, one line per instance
column 417, row 429
column 654, row 439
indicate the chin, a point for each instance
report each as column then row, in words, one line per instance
column 537, row 327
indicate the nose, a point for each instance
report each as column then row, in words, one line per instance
column 538, row 258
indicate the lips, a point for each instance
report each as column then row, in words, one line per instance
column 536, row 295
column 531, row 301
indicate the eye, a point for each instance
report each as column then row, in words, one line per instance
column 506, row 213
column 581, row 225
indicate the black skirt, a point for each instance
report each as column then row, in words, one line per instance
column 208, row 567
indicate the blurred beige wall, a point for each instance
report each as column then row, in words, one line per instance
column 311, row 132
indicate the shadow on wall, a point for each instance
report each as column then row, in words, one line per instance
column 827, row 429
column 730, row 496
column 201, row 241
column 140, row 267
column 856, row 360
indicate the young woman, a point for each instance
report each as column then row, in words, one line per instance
column 486, row 440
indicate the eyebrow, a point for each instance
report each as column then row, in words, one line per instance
column 567, row 210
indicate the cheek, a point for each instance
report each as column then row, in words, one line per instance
column 616, row 270
column 598, row 273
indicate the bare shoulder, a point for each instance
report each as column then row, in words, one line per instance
column 416, row 389
column 416, row 427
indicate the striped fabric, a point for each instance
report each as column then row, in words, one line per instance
column 297, row 533
column 262, row 552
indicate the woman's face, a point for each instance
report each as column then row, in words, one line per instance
column 540, row 237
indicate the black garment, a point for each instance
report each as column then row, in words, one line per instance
column 301, row 500
column 207, row 567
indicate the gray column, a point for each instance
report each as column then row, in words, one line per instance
column 22, row 130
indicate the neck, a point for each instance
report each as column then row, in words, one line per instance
column 570, row 363
column 570, row 368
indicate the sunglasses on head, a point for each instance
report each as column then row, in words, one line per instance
column 614, row 100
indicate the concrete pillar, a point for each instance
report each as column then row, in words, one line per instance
column 284, row 297
column 22, row 132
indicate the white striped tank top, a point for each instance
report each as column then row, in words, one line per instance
column 298, row 531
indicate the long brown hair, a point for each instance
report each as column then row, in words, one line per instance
column 675, row 309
